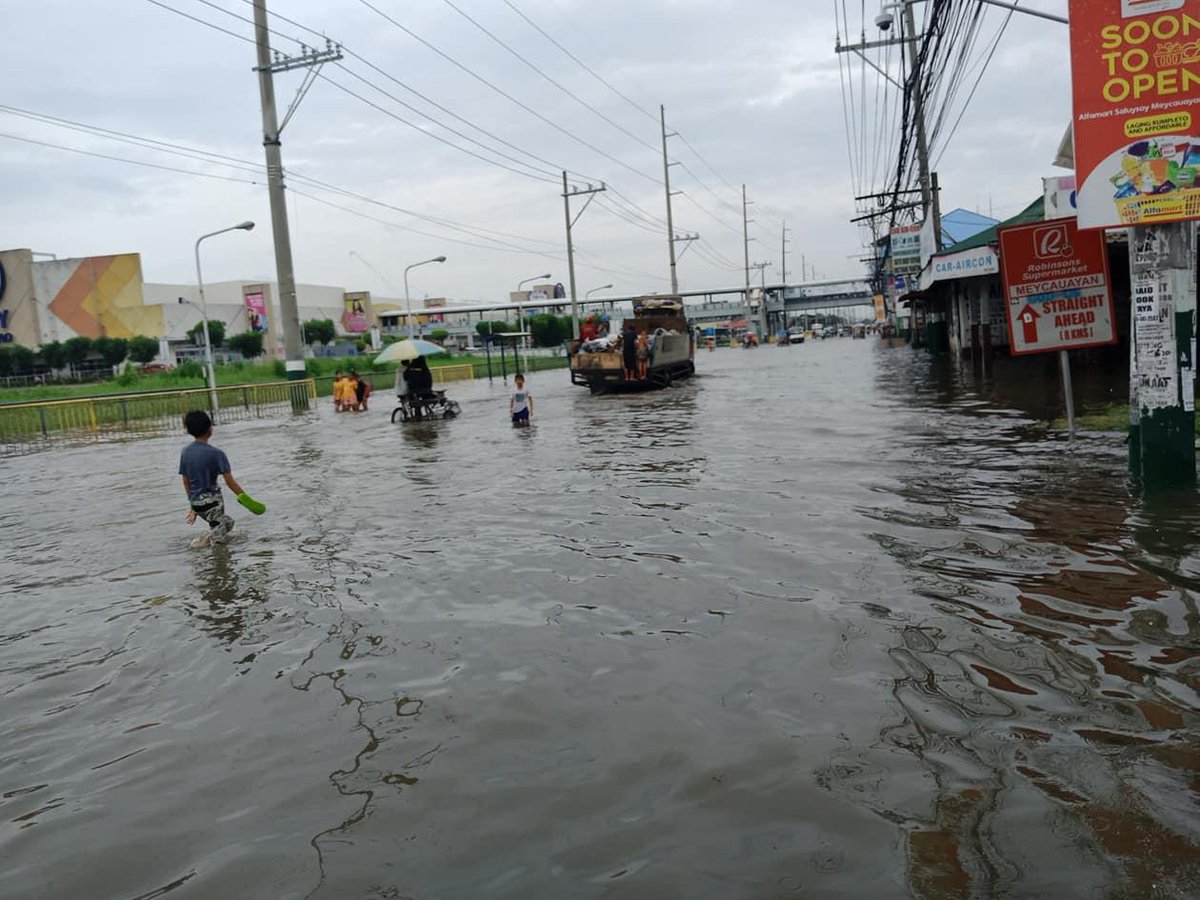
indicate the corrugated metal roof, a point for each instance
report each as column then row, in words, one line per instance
column 1034, row 212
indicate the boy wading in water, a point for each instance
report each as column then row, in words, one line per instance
column 200, row 465
column 520, row 405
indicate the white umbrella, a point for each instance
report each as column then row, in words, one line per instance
column 409, row 348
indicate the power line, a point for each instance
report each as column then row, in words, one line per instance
column 536, row 174
column 207, row 24
column 525, row 61
column 122, row 159
column 497, row 89
column 581, row 63
column 248, row 166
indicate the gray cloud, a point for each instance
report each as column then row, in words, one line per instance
column 753, row 86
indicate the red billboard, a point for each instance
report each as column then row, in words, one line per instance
column 1056, row 287
column 1135, row 74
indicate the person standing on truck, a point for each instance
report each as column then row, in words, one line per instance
column 629, row 355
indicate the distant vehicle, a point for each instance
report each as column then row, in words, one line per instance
column 795, row 335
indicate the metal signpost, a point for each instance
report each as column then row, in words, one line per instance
column 1057, row 292
column 1136, row 105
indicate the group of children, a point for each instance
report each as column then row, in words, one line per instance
column 350, row 392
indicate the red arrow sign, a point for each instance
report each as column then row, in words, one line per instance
column 1028, row 318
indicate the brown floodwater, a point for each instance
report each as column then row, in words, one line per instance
column 826, row 621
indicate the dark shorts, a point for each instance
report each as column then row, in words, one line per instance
column 520, row 418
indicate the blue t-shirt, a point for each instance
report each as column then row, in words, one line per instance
column 203, row 464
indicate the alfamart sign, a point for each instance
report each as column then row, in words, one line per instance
column 1135, row 76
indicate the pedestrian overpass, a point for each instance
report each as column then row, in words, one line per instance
column 784, row 302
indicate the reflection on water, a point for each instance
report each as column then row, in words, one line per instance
column 829, row 621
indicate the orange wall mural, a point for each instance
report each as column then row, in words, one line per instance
column 98, row 296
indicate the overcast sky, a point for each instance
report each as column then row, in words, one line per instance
column 753, row 86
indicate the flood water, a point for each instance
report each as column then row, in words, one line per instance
column 823, row 622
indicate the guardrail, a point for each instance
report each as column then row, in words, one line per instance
column 41, row 424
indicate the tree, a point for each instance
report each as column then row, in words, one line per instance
column 77, row 349
column 438, row 335
column 142, row 349
column 320, row 331
column 248, row 343
column 22, row 360
column 216, row 332
column 544, row 329
column 53, row 354
column 112, row 350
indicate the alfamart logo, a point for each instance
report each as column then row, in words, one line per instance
column 1131, row 8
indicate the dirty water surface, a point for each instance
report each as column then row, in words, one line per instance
column 825, row 621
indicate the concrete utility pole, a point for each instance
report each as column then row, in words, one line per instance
column 568, row 193
column 672, row 237
column 746, row 242
column 288, row 306
column 1162, row 407
column 929, row 200
column 662, row 115
column 930, row 204
column 783, row 254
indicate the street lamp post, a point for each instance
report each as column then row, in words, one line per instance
column 407, row 299
column 208, row 356
column 588, row 294
column 521, row 310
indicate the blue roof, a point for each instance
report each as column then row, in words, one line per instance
column 960, row 224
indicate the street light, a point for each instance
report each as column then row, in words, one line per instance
column 208, row 357
column 407, row 300
column 588, row 295
column 521, row 308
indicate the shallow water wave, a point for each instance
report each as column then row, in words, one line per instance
column 828, row 621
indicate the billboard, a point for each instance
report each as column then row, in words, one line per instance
column 1136, row 110
column 255, row 301
column 906, row 249
column 356, row 317
column 1056, row 287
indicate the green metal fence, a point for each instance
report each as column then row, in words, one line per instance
column 33, row 426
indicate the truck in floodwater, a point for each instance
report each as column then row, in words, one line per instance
column 599, row 364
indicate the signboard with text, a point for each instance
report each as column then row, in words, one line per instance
column 1056, row 287
column 906, row 249
column 1135, row 73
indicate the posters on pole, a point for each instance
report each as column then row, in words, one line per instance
column 880, row 310
column 1056, row 287
column 256, row 310
column 1135, row 72
column 355, row 313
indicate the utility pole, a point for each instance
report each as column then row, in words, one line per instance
column 568, row 193
column 930, row 203
column 746, row 243
column 929, row 199
column 783, row 254
column 662, row 115
column 285, row 274
column 1162, row 270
